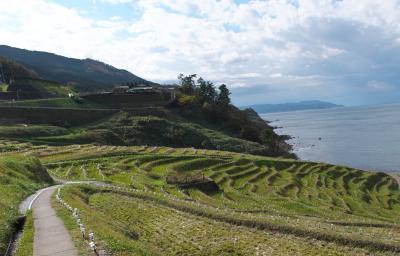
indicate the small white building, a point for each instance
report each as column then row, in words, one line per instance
column 121, row 89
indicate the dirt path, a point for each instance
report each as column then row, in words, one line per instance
column 51, row 236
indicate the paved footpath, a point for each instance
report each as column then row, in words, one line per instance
column 51, row 236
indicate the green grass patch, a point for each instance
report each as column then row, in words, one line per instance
column 41, row 87
column 54, row 103
column 25, row 242
column 28, row 131
column 3, row 87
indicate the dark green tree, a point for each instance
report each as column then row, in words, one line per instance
column 201, row 91
column 211, row 93
column 223, row 98
column 205, row 91
column 187, row 83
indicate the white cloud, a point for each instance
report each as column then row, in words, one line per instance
column 275, row 43
column 378, row 86
column 276, row 75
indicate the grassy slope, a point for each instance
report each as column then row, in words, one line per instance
column 42, row 87
column 335, row 205
column 50, row 87
column 53, row 103
column 19, row 177
column 19, row 131
column 124, row 129
column 151, row 126
column 157, row 131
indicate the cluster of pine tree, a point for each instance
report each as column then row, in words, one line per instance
column 202, row 92
column 199, row 99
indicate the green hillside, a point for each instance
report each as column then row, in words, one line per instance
column 68, row 121
column 199, row 115
column 83, row 75
column 126, row 129
column 239, row 203
column 11, row 70
column 19, row 177
column 26, row 84
column 37, row 88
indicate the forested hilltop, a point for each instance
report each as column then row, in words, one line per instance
column 83, row 75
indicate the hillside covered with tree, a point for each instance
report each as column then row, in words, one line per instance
column 10, row 70
column 201, row 101
column 83, row 75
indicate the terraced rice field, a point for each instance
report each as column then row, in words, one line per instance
column 130, row 224
column 271, row 206
column 10, row 147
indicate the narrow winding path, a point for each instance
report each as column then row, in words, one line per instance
column 51, row 236
column 397, row 177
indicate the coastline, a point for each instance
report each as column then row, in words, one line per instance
column 344, row 136
column 296, row 149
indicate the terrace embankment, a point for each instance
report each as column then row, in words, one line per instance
column 55, row 116
column 130, row 100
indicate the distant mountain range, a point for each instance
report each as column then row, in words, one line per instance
column 83, row 75
column 285, row 107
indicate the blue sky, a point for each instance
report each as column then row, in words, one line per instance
column 267, row 51
column 100, row 9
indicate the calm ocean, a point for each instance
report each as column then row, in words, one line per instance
column 365, row 137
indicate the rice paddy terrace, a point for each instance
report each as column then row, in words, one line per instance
column 166, row 201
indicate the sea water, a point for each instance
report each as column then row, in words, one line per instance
column 366, row 137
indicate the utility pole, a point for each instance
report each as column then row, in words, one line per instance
column 2, row 74
column 11, row 75
column 172, row 94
